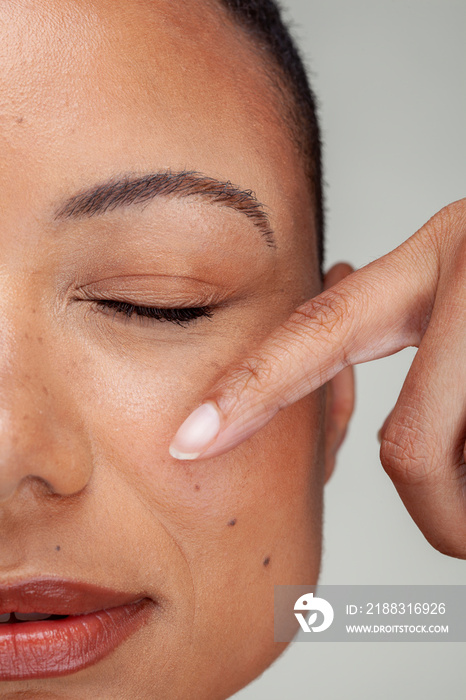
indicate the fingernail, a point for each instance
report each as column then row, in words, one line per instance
column 195, row 434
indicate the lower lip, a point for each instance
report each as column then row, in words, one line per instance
column 51, row 648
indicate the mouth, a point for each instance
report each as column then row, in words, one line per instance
column 51, row 627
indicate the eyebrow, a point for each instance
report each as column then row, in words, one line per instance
column 127, row 190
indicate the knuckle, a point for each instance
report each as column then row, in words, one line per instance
column 325, row 311
column 325, row 316
column 446, row 226
column 402, row 456
column 253, row 374
column 448, row 216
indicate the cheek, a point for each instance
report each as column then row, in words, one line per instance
column 267, row 489
column 241, row 522
column 132, row 410
column 259, row 503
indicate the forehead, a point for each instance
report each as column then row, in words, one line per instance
column 94, row 86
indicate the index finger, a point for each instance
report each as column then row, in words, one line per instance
column 374, row 312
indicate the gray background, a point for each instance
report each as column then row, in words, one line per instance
column 389, row 76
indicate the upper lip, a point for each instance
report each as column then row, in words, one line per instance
column 53, row 596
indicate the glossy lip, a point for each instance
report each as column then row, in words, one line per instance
column 60, row 597
column 100, row 620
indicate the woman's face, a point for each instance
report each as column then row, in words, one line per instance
column 90, row 398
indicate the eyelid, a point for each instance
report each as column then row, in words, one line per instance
column 155, row 291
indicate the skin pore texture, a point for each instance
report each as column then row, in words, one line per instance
column 90, row 398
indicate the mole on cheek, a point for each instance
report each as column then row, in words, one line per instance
column 231, row 522
column 196, row 487
column 266, row 561
column 57, row 547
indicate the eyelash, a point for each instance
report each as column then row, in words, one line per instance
column 181, row 316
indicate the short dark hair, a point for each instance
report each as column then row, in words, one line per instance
column 263, row 21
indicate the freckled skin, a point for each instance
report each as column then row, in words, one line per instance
column 89, row 89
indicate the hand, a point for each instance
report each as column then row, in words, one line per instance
column 413, row 296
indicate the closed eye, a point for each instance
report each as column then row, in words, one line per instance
column 180, row 316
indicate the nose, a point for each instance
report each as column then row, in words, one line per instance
column 42, row 434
